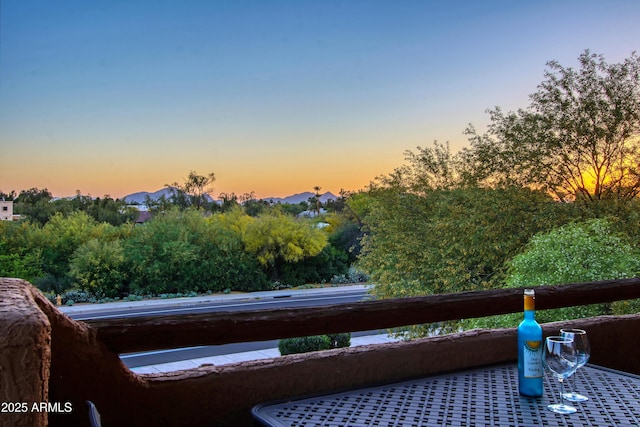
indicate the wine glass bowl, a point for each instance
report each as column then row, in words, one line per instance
column 583, row 349
column 560, row 359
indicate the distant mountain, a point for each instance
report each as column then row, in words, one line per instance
column 138, row 198
column 301, row 197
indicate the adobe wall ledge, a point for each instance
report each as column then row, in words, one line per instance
column 25, row 355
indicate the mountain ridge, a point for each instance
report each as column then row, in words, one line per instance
column 140, row 196
column 301, row 197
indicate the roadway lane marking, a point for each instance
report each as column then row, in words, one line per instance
column 195, row 307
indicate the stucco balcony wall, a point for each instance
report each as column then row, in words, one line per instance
column 25, row 354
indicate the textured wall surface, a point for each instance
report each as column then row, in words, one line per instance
column 25, row 355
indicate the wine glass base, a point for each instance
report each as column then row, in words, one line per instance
column 561, row 408
column 575, row 397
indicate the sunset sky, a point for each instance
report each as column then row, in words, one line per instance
column 276, row 97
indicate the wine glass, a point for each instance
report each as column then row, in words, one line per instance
column 579, row 337
column 560, row 359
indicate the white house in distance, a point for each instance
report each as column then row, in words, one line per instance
column 6, row 210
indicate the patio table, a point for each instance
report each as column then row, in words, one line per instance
column 485, row 396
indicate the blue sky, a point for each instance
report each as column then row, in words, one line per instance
column 113, row 97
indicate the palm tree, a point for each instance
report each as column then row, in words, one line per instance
column 317, row 195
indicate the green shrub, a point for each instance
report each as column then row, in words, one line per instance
column 97, row 267
column 314, row 343
column 182, row 252
column 340, row 340
column 357, row 276
column 304, row 344
column 75, row 297
column 577, row 252
column 339, row 279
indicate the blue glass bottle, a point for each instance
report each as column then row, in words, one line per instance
column 530, row 369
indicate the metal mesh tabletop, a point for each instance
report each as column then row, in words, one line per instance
column 480, row 397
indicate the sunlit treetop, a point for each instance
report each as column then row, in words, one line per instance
column 579, row 138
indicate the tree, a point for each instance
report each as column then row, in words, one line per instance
column 228, row 201
column 427, row 231
column 427, row 169
column 450, row 240
column 34, row 195
column 252, row 206
column 39, row 206
column 11, row 195
column 19, row 258
column 345, row 234
column 62, row 236
column 576, row 252
column 447, row 241
column 35, row 204
column 194, row 191
column 97, row 267
column 182, row 251
column 114, row 212
column 316, row 199
column 57, row 240
column 579, row 139
column 158, row 205
column 276, row 239
column 321, row 268
column 290, row 209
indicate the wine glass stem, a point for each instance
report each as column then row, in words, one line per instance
column 561, row 391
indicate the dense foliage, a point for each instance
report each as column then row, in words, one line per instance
column 39, row 206
column 447, row 222
column 178, row 251
column 184, row 251
column 450, row 240
column 576, row 252
column 277, row 239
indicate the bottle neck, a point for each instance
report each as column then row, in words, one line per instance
column 529, row 307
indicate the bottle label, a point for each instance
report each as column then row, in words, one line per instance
column 533, row 359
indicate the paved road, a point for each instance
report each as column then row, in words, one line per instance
column 255, row 301
column 183, row 306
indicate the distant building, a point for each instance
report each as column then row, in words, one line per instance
column 143, row 213
column 6, row 210
column 311, row 213
column 143, row 216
